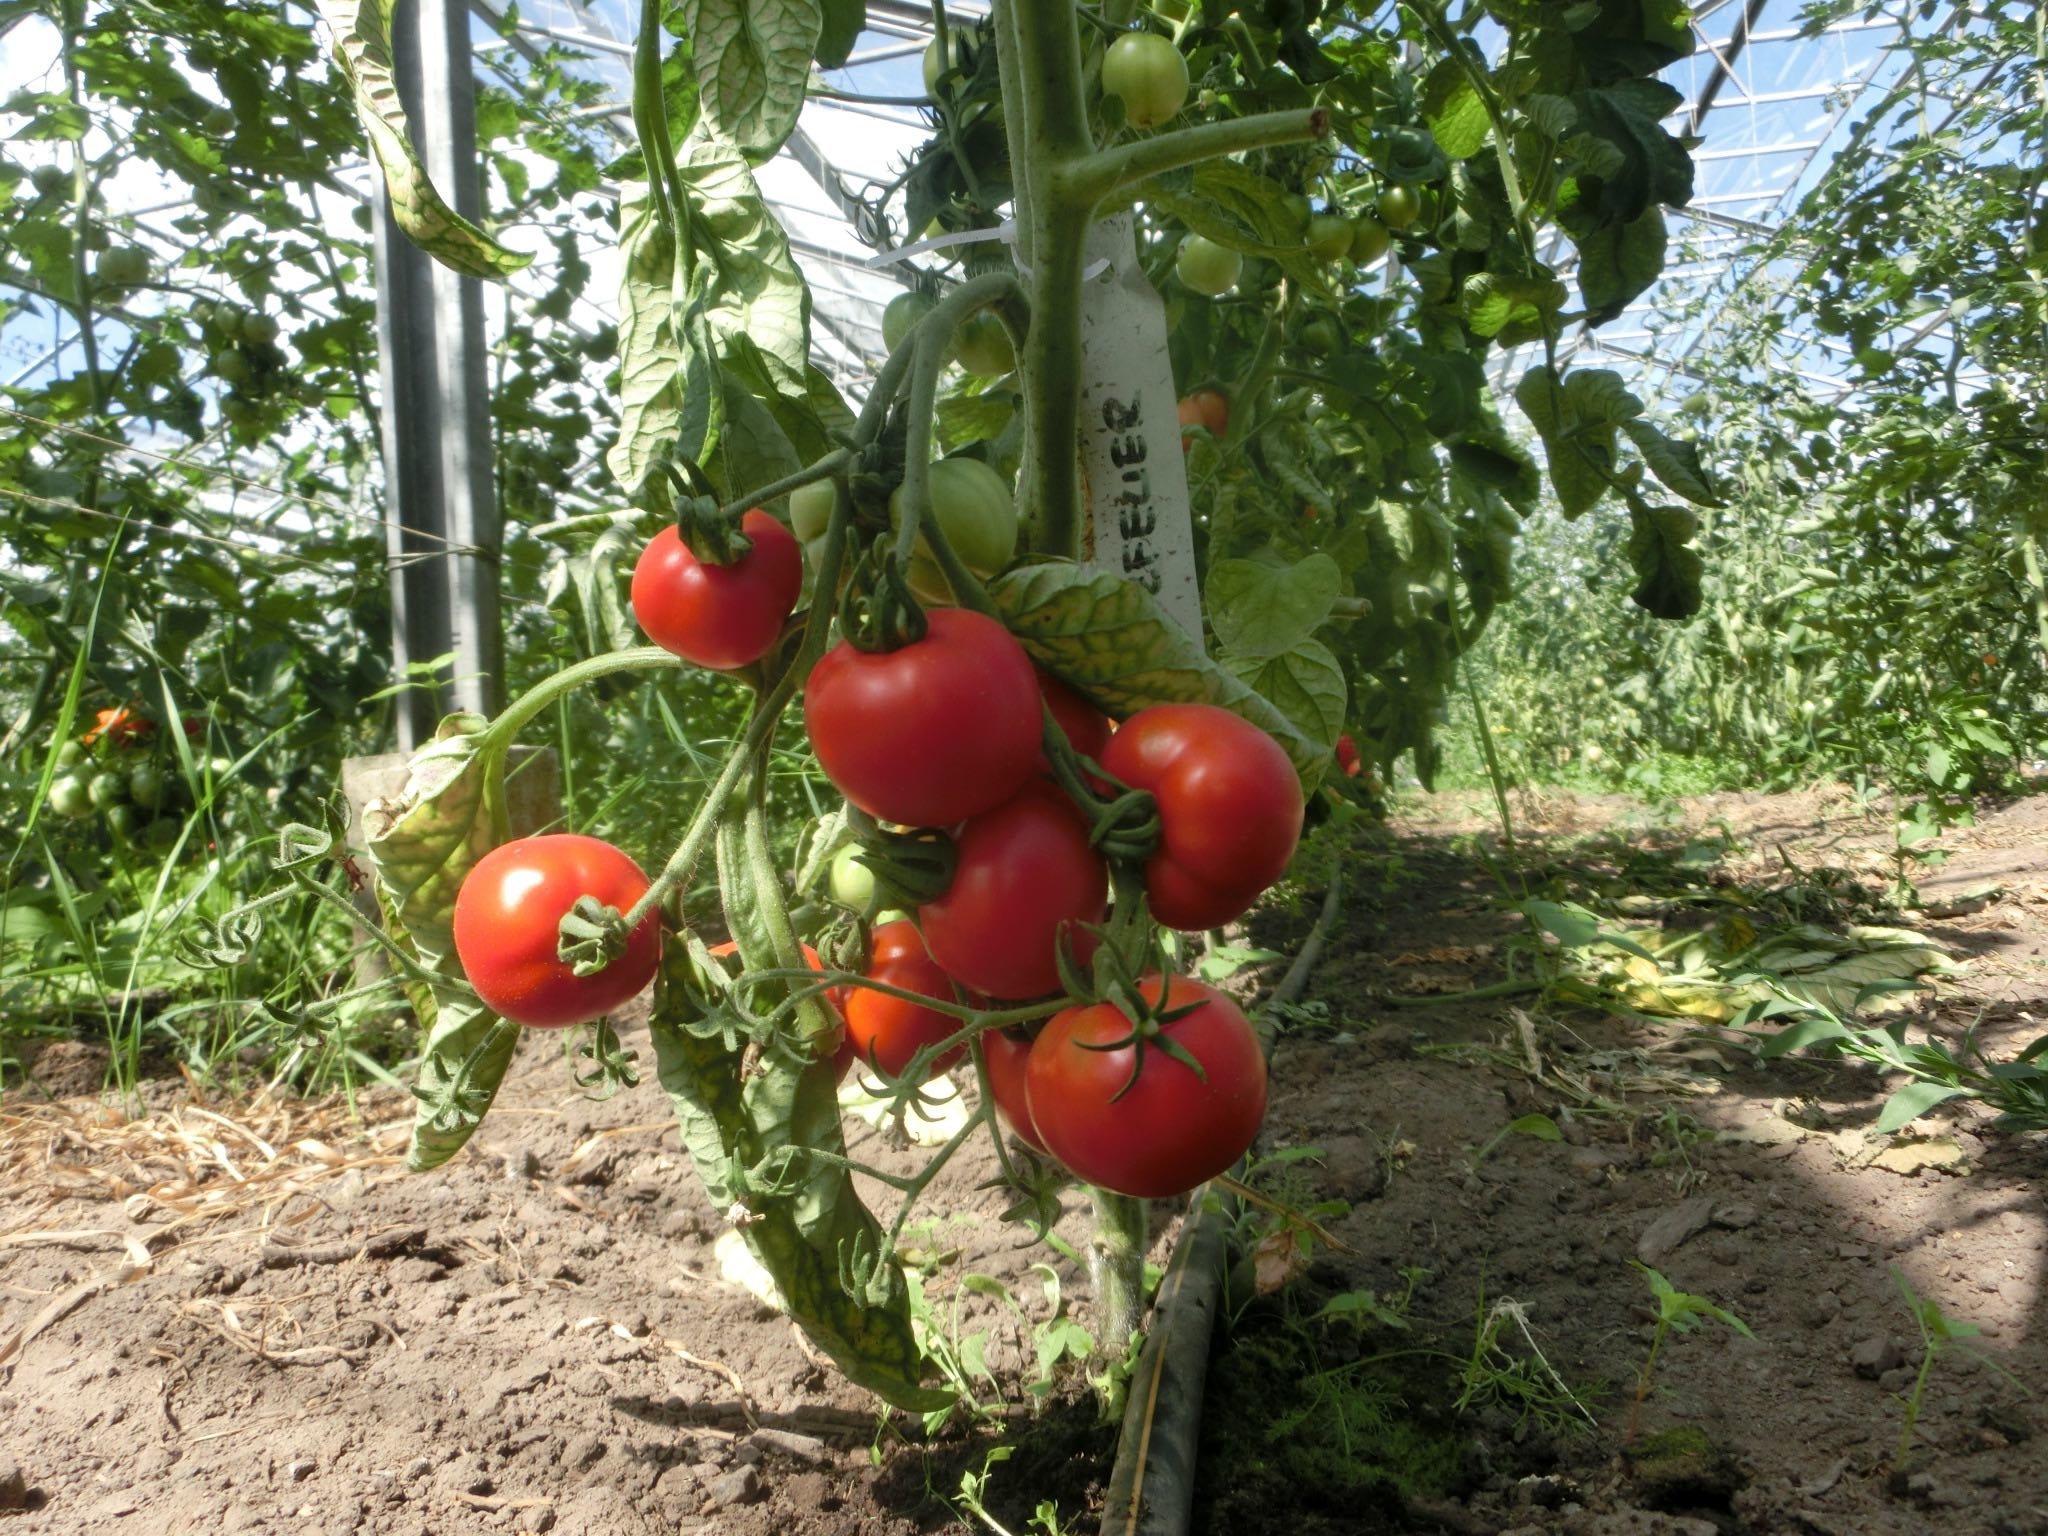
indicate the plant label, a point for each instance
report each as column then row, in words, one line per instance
column 1133, row 472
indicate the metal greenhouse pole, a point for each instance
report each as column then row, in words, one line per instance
column 442, row 523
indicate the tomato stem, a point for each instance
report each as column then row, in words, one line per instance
column 1116, row 1263
column 1107, row 172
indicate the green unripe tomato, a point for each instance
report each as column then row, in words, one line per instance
column 71, row 796
column 49, row 180
column 902, row 315
column 219, row 121
column 1399, row 207
column 810, row 510
column 1205, row 267
column 71, row 754
column 231, row 367
column 1320, row 335
column 1148, row 72
column 108, row 789
column 205, row 312
column 97, row 239
column 963, row 38
column 853, row 883
column 1329, row 237
column 983, row 347
column 927, row 582
column 259, row 330
column 123, row 822
column 1370, row 239
column 975, row 513
column 127, row 267
column 146, row 786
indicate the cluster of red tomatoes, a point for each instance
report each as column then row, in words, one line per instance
column 945, row 732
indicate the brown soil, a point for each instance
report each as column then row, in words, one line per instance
column 538, row 1338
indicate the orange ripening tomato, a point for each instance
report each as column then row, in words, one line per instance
column 1347, row 757
column 120, row 725
column 1205, row 408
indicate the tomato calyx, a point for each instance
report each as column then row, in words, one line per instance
column 679, row 489
column 910, row 868
column 1148, row 1025
column 593, row 935
column 600, row 1062
column 1123, row 823
column 878, row 611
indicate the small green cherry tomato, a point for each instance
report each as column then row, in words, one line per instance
column 1369, row 239
column 853, row 883
column 810, row 510
column 901, row 317
column 1147, row 71
column 1329, row 237
column 71, row 796
column 231, row 367
column 1399, row 207
column 1205, row 267
column 146, row 786
column 108, row 789
column 983, row 347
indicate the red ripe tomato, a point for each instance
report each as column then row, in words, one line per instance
column 120, row 725
column 886, row 1031
column 1207, row 408
column 1168, row 1129
column 1006, row 1056
column 1023, row 874
column 719, row 616
column 1086, row 726
column 932, row 733
column 1230, row 808
column 507, row 918
column 1348, row 762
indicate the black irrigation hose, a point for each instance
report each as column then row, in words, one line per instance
column 1151, row 1487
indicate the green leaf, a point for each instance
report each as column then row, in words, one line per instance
column 1913, row 1101
column 463, row 1059
column 1629, row 115
column 844, row 21
column 1453, row 109
column 425, row 840
column 1675, row 463
column 362, row 48
column 1575, row 415
column 753, row 62
column 1108, row 637
column 1540, row 1127
column 1234, row 205
column 1304, row 682
column 1667, row 568
column 1619, row 261
column 1259, row 607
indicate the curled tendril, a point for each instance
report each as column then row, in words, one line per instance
column 300, row 845
column 598, row 1061
column 593, row 935
column 219, row 943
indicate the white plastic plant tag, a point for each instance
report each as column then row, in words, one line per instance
column 1132, row 468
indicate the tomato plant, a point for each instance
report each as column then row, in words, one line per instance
column 1148, row 72
column 1150, row 1108
column 886, row 1031
column 1230, row 808
column 1348, row 531
column 932, row 733
column 1025, row 880
column 719, row 616
column 507, row 929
